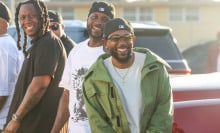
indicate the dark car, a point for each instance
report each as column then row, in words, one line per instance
column 197, row 57
column 160, row 40
column 154, row 37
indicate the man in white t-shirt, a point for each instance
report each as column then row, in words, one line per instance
column 81, row 57
column 10, row 63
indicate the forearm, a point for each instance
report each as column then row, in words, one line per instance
column 2, row 101
column 31, row 99
column 62, row 113
column 33, row 95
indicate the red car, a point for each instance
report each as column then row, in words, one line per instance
column 196, row 103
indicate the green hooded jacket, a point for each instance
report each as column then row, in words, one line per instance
column 104, row 108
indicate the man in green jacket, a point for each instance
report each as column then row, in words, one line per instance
column 127, row 90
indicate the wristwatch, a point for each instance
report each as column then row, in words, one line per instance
column 15, row 117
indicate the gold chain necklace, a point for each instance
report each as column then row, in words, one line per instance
column 122, row 76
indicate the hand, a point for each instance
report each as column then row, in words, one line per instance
column 12, row 127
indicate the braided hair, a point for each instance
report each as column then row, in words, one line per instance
column 42, row 11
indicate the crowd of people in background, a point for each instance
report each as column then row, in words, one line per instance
column 92, row 86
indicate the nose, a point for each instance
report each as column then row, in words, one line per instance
column 99, row 21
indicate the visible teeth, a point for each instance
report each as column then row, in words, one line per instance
column 29, row 27
column 96, row 28
column 122, row 49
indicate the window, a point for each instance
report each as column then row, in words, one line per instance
column 138, row 14
column 192, row 14
column 130, row 14
column 146, row 14
column 68, row 13
column 184, row 14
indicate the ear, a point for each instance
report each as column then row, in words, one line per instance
column 105, row 47
column 62, row 25
column 104, row 42
column 134, row 38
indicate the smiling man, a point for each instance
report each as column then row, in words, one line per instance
column 79, row 60
column 127, row 90
column 36, row 97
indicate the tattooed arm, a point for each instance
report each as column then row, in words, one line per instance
column 34, row 93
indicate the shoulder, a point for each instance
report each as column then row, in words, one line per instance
column 49, row 40
column 9, row 44
column 79, row 47
column 151, row 57
column 67, row 39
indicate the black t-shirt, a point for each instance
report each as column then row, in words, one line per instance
column 47, row 56
column 68, row 43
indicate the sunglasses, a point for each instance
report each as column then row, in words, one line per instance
column 54, row 27
column 117, row 38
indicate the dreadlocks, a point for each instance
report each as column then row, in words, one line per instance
column 41, row 9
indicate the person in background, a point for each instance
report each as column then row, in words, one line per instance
column 11, row 60
column 127, row 90
column 56, row 25
column 79, row 60
column 36, row 97
column 213, row 60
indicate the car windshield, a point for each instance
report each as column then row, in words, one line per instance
column 78, row 34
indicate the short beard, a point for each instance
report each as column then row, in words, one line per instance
column 94, row 37
column 121, row 60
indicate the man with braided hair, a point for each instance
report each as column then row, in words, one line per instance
column 36, row 97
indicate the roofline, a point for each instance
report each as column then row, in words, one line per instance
column 139, row 3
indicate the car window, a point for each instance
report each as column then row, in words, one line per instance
column 159, row 41
column 78, row 34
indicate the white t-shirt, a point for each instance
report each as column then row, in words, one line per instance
column 218, row 63
column 11, row 60
column 81, row 57
column 128, row 85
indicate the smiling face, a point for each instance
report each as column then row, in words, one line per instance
column 29, row 21
column 119, row 44
column 95, row 24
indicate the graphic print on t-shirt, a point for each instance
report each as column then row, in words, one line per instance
column 78, row 102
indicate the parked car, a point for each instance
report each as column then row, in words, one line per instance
column 197, row 57
column 160, row 40
column 152, row 36
column 75, row 30
column 197, row 102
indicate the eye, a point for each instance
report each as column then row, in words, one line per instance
column 104, row 20
column 114, row 38
column 93, row 17
column 22, row 17
column 32, row 16
column 128, row 37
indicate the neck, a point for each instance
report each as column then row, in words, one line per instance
column 123, row 65
column 3, row 26
column 94, row 42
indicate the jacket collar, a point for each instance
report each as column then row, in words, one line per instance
column 151, row 63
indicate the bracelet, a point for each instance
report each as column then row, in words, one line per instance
column 15, row 117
